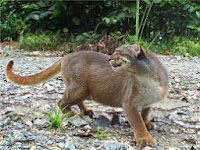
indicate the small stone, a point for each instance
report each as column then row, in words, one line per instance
column 102, row 121
column 26, row 147
column 148, row 148
column 9, row 110
column 77, row 121
column 174, row 131
column 39, row 122
column 61, row 145
column 50, row 142
column 113, row 145
column 178, row 58
column 69, row 145
column 7, row 121
column 45, row 107
column 87, row 127
column 19, row 137
column 115, row 120
column 14, row 116
column 172, row 148
column 1, row 124
column 33, row 148
column 18, row 143
column 177, row 80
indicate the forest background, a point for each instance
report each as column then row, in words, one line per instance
column 166, row 26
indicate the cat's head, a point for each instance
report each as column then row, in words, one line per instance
column 128, row 58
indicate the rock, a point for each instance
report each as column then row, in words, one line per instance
column 33, row 148
column 101, row 121
column 87, row 127
column 177, row 79
column 24, row 147
column 115, row 120
column 9, row 110
column 113, row 145
column 10, row 88
column 1, row 124
column 27, row 121
column 19, row 137
column 14, row 116
column 172, row 148
column 61, row 145
column 69, row 145
column 50, row 142
column 45, row 107
column 7, row 121
column 34, row 138
column 77, row 121
column 39, row 122
column 174, row 131
column 148, row 148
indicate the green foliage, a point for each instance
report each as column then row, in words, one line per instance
column 40, row 24
column 11, row 24
column 183, row 46
column 39, row 41
column 171, row 18
column 137, row 20
column 176, row 45
column 132, row 39
column 101, row 133
column 56, row 118
column 88, row 37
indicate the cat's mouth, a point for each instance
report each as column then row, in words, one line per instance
column 118, row 63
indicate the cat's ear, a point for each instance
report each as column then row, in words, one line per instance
column 139, row 51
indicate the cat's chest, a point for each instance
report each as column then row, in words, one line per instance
column 149, row 92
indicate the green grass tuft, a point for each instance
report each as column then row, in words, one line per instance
column 56, row 118
column 101, row 133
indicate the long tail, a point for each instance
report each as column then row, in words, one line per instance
column 32, row 79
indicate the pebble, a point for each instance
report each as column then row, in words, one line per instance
column 115, row 120
column 14, row 116
column 101, row 121
column 39, row 122
column 1, row 124
column 61, row 145
column 69, row 145
column 7, row 121
column 113, row 145
column 173, row 148
column 148, row 148
column 77, row 121
column 9, row 110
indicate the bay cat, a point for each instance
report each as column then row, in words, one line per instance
column 132, row 78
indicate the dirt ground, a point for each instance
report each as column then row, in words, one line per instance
column 177, row 118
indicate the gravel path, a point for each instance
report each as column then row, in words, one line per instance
column 23, row 123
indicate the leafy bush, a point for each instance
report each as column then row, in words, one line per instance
column 11, row 24
column 132, row 39
column 39, row 41
column 176, row 45
column 169, row 18
column 184, row 46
